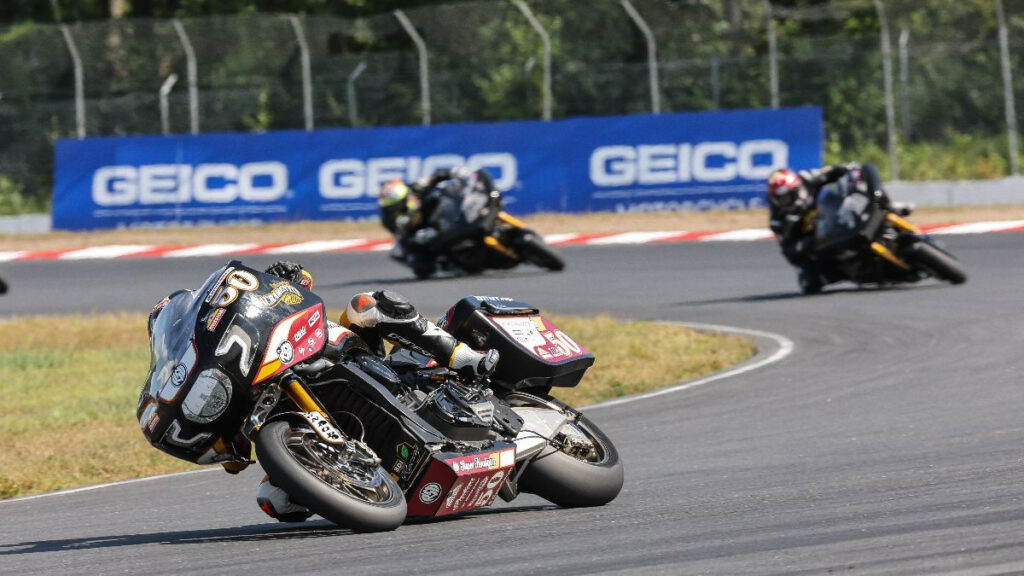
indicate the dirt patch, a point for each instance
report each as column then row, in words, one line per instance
column 594, row 223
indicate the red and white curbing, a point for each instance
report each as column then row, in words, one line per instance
column 357, row 245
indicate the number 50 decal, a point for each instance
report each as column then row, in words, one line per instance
column 569, row 344
column 238, row 280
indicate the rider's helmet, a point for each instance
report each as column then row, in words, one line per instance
column 786, row 190
column 393, row 195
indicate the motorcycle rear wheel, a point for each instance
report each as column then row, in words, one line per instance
column 941, row 264
column 328, row 479
column 537, row 252
column 567, row 477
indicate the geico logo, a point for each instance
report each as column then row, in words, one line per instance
column 354, row 178
column 671, row 163
column 180, row 183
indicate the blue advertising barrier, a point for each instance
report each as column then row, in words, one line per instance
column 622, row 163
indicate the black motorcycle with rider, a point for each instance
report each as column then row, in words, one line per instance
column 836, row 223
column 453, row 221
column 452, row 416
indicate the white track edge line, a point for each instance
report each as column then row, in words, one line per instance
column 785, row 349
column 107, row 485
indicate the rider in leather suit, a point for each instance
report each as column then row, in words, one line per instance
column 412, row 212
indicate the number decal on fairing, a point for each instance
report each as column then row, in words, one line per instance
column 237, row 282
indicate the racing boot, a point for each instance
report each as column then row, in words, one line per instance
column 276, row 503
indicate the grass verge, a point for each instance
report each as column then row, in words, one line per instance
column 70, row 385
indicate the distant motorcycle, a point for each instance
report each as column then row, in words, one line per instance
column 496, row 240
column 860, row 238
column 364, row 441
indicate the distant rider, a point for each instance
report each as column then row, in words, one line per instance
column 793, row 199
column 418, row 214
column 374, row 317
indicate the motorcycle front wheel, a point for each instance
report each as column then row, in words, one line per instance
column 537, row 252
column 342, row 483
column 580, row 467
column 939, row 263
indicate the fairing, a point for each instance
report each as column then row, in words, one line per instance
column 213, row 348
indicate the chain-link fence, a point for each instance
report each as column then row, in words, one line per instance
column 929, row 86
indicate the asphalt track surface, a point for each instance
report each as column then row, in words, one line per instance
column 889, row 442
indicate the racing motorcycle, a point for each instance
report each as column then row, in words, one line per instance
column 492, row 239
column 860, row 237
column 364, row 441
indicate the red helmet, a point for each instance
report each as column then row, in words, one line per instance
column 786, row 190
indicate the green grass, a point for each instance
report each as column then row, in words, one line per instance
column 70, row 385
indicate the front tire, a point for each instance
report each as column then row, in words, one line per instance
column 939, row 263
column 329, row 479
column 569, row 476
column 537, row 252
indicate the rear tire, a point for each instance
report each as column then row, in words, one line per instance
column 938, row 262
column 359, row 497
column 537, row 252
column 570, row 481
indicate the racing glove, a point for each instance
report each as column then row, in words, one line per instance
column 292, row 272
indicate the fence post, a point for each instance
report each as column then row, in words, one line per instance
column 421, row 47
column 307, row 76
column 890, row 101
column 76, row 62
column 190, row 64
column 773, row 55
column 546, row 41
column 165, row 116
column 905, row 81
column 652, row 54
column 715, row 88
column 350, row 93
column 1011, row 110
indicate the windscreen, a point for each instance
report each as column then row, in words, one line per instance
column 172, row 332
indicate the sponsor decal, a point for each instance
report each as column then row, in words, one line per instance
column 299, row 335
column 660, row 164
column 323, row 427
column 279, row 357
column 208, row 398
column 404, row 450
column 430, row 493
column 476, row 462
column 539, row 336
column 286, row 353
column 283, row 292
column 179, row 375
column 214, row 319
column 162, row 184
column 356, row 178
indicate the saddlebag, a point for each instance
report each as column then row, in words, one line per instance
column 534, row 352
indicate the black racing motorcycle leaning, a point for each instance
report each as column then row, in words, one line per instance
column 861, row 237
column 494, row 239
column 249, row 360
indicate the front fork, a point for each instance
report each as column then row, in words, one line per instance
column 495, row 244
column 900, row 224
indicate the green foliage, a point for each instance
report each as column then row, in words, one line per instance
column 486, row 64
column 13, row 199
